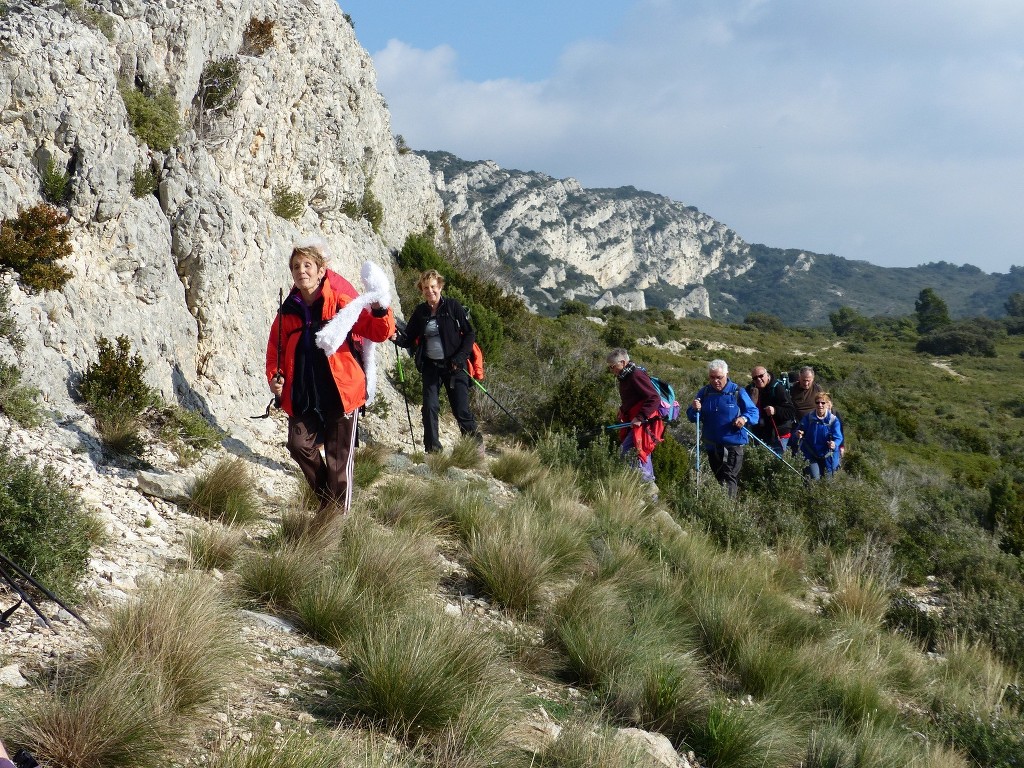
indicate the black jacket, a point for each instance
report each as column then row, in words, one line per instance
column 457, row 335
column 774, row 394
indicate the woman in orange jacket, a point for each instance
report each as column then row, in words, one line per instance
column 322, row 392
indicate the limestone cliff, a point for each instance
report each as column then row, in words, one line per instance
column 191, row 273
column 602, row 246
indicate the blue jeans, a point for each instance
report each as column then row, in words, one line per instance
column 818, row 469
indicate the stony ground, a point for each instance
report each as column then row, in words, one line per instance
column 285, row 680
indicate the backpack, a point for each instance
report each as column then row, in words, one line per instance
column 669, row 408
column 475, row 362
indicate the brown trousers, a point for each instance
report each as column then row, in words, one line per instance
column 330, row 474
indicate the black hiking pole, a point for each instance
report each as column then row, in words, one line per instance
column 275, row 402
column 773, row 453
column 5, row 563
column 401, row 378
column 484, row 390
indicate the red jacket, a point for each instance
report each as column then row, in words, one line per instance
column 640, row 399
column 347, row 371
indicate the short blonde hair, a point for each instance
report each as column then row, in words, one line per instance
column 312, row 252
column 426, row 277
column 824, row 396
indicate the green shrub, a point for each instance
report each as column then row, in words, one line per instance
column 401, row 146
column 188, row 433
column 217, row 91
column 258, row 36
column 958, row 341
column 56, row 183
column 116, row 381
column 33, row 243
column 19, row 402
column 368, row 207
column 671, row 462
column 43, row 525
column 764, row 321
column 286, row 203
column 578, row 402
column 8, row 323
column 154, row 118
column 92, row 17
column 144, row 181
column 226, row 492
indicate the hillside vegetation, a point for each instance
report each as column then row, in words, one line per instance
column 871, row 620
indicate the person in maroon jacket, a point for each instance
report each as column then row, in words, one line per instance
column 641, row 408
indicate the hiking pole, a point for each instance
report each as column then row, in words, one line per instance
column 401, row 378
column 6, row 562
column 484, row 390
column 696, row 493
column 275, row 402
column 773, row 453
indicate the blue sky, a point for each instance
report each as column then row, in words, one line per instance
column 890, row 131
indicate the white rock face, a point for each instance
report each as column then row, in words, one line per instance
column 191, row 274
column 601, row 246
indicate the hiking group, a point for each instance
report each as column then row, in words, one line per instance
column 320, row 369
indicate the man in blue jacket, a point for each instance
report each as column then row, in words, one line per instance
column 725, row 410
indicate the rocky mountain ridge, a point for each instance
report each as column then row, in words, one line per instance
column 560, row 241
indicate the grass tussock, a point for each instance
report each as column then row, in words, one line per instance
column 226, row 493
column 184, row 631
column 214, row 547
column 369, row 464
column 862, row 584
column 418, row 672
column 518, row 467
column 159, row 660
column 465, row 454
column 296, row 750
column 273, row 579
column 115, row 720
column 592, row 744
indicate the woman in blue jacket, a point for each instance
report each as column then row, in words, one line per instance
column 820, row 435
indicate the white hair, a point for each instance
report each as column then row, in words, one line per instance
column 718, row 365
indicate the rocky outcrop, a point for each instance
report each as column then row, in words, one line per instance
column 601, row 246
column 191, row 273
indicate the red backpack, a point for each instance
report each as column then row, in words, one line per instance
column 475, row 362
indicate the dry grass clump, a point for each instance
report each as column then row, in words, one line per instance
column 214, row 547
column 465, row 454
column 273, row 579
column 226, row 493
column 515, row 555
column 590, row 743
column 862, row 583
column 421, row 674
column 518, row 467
column 160, row 659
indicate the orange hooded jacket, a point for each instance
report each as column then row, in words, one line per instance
column 346, row 369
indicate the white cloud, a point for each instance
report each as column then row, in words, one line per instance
column 879, row 130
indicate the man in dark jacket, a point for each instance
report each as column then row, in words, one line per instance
column 724, row 410
column 803, row 392
column 776, row 414
column 440, row 333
